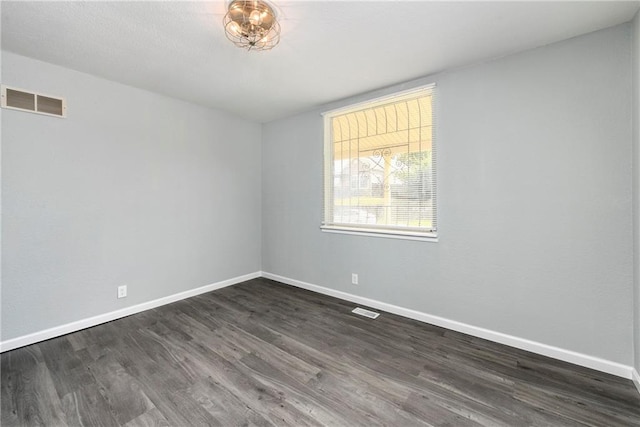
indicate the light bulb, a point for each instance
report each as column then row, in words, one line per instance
column 235, row 28
column 255, row 17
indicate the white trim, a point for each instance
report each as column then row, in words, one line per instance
column 581, row 359
column 636, row 379
column 376, row 102
column 388, row 233
column 113, row 315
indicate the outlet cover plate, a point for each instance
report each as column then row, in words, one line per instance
column 122, row 291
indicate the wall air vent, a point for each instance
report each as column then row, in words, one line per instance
column 18, row 99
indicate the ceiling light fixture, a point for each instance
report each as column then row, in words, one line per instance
column 252, row 25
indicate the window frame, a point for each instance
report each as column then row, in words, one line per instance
column 386, row 231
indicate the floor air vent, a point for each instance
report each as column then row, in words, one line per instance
column 18, row 99
column 365, row 313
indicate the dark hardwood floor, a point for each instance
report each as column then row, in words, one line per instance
column 263, row 353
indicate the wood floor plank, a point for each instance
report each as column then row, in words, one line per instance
column 86, row 406
column 28, row 392
column 151, row 418
column 123, row 393
column 261, row 353
column 224, row 406
column 65, row 365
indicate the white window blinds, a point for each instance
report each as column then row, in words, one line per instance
column 380, row 166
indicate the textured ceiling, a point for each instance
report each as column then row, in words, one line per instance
column 329, row 50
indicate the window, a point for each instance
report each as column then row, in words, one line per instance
column 380, row 167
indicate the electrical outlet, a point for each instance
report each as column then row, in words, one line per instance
column 122, row 291
column 354, row 279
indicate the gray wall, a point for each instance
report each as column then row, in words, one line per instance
column 132, row 188
column 535, row 202
column 636, row 184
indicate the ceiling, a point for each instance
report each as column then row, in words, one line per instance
column 329, row 49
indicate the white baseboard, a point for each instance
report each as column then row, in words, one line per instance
column 521, row 343
column 108, row 317
column 576, row 358
column 636, row 379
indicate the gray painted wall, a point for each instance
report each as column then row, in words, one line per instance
column 636, row 184
column 535, row 202
column 132, row 188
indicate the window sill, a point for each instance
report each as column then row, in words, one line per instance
column 388, row 234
